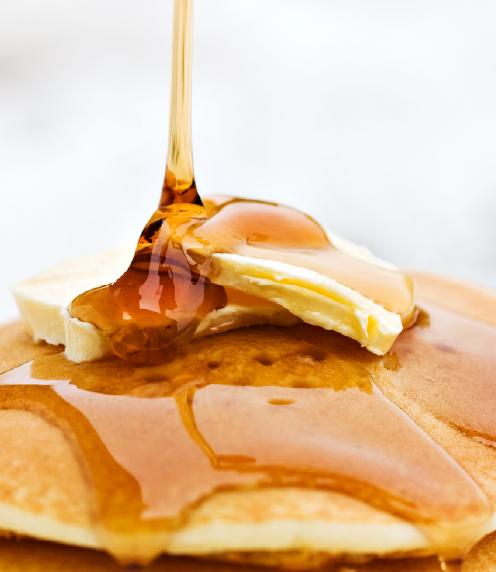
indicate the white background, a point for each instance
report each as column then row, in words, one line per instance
column 378, row 117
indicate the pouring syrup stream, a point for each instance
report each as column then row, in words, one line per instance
column 179, row 182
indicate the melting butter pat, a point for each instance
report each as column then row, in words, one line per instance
column 314, row 298
column 267, row 292
column 43, row 301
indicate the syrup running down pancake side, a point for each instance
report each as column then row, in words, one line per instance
column 270, row 407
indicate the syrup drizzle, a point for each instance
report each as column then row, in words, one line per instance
column 167, row 290
column 179, row 182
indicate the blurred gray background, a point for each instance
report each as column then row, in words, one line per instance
column 378, row 117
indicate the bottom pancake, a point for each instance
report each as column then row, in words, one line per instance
column 34, row 556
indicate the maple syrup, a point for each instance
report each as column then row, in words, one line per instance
column 167, row 290
column 179, row 182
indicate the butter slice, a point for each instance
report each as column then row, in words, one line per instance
column 43, row 301
column 276, row 293
column 314, row 298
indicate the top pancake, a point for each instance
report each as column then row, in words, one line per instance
column 44, row 489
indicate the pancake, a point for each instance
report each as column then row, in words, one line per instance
column 432, row 487
column 267, row 519
column 32, row 556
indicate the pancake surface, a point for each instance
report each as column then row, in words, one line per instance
column 242, row 497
